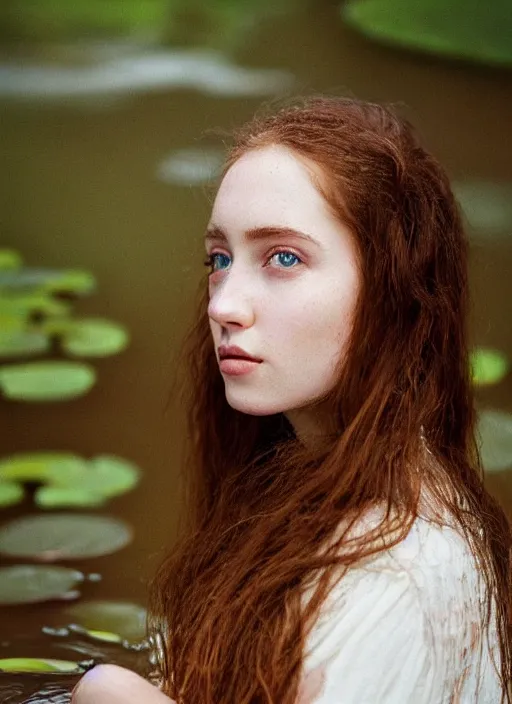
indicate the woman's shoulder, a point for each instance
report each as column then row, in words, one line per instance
column 435, row 554
column 421, row 596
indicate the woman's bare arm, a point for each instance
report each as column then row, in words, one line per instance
column 111, row 684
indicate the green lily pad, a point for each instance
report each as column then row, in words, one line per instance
column 122, row 617
column 11, row 493
column 109, row 476
column 46, row 381
column 478, row 32
column 30, row 584
column 22, row 306
column 71, row 281
column 63, row 497
column 48, row 280
column 70, row 480
column 56, row 468
column 191, row 166
column 103, row 636
column 495, row 439
column 63, row 536
column 39, row 665
column 10, row 259
column 22, row 343
column 487, row 205
column 488, row 366
column 94, row 337
column 56, row 20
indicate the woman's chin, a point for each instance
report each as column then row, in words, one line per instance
column 253, row 408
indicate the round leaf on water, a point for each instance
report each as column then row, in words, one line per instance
column 63, row 497
column 495, row 431
column 488, row 366
column 30, row 584
column 39, row 665
column 22, row 343
column 109, row 476
column 11, row 493
column 63, row 536
column 71, row 281
column 487, row 206
column 103, row 636
column 10, row 259
column 191, row 166
column 56, row 468
column 46, row 381
column 48, row 280
column 479, row 32
column 22, row 306
column 122, row 617
column 94, row 337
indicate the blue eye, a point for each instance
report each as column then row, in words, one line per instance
column 287, row 259
column 210, row 261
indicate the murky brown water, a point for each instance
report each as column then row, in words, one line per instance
column 81, row 188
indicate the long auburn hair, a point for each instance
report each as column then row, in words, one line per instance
column 258, row 505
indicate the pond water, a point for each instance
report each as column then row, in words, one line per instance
column 106, row 146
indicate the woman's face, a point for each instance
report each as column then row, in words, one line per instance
column 283, row 286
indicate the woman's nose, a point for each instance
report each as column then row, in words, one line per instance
column 231, row 303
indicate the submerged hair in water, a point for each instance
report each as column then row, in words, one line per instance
column 259, row 505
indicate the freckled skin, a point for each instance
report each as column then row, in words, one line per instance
column 295, row 317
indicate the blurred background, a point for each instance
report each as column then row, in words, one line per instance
column 111, row 115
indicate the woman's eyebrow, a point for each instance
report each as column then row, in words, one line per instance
column 217, row 234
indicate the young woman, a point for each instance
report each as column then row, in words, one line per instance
column 339, row 545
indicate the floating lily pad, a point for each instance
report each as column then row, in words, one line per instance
column 94, row 337
column 495, row 431
column 60, row 497
column 122, row 617
column 57, row 468
column 110, row 476
column 487, row 206
column 72, row 281
column 191, row 166
column 54, row 20
column 488, row 366
column 22, row 343
column 22, row 306
column 11, row 493
column 30, row 584
column 10, row 259
column 63, row 536
column 48, row 280
column 103, row 636
column 46, row 381
column 478, row 32
column 39, row 665
column 69, row 479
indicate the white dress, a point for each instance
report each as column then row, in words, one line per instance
column 405, row 628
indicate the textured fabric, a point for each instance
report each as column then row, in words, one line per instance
column 405, row 628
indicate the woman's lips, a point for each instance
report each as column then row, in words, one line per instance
column 236, row 366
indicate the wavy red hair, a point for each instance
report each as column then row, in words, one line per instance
column 258, row 505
